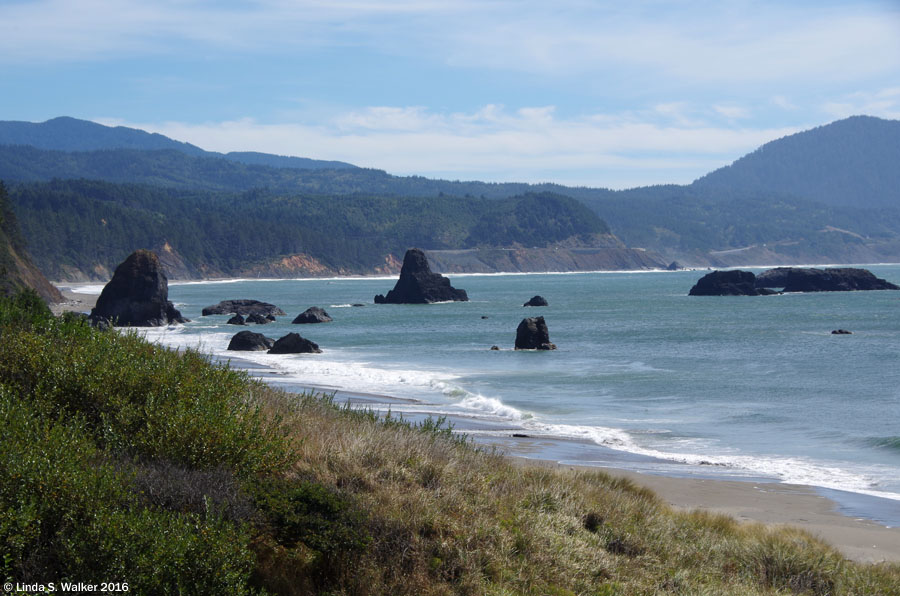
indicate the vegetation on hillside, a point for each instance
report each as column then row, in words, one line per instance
column 829, row 194
column 849, row 163
column 79, row 224
column 678, row 220
column 123, row 461
column 16, row 269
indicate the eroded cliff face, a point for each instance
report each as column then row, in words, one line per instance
column 532, row 260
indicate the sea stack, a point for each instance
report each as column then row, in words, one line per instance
column 728, row 283
column 292, row 343
column 137, row 295
column 532, row 334
column 313, row 314
column 419, row 285
column 537, row 301
column 243, row 307
column 833, row 279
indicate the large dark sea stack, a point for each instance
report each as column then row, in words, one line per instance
column 728, row 283
column 292, row 343
column 532, row 334
column 419, row 285
column 243, row 307
column 247, row 341
column 137, row 295
column 837, row 279
column 313, row 314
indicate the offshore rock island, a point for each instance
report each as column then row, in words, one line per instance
column 419, row 285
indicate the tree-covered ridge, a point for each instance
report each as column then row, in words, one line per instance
column 685, row 221
column 851, row 162
column 70, row 134
column 79, row 224
column 16, row 269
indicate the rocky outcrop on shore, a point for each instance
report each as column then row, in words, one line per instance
column 728, row 283
column 532, row 334
column 419, row 285
column 313, row 314
column 243, row 307
column 835, row 279
column 137, row 295
column 292, row 343
column 248, row 341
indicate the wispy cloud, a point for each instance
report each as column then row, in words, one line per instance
column 884, row 103
column 529, row 144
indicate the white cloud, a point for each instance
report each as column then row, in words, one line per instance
column 710, row 42
column 884, row 104
column 732, row 112
column 529, row 144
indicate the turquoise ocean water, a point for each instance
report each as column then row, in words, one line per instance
column 654, row 380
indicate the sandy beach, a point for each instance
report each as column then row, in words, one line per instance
column 765, row 502
column 74, row 301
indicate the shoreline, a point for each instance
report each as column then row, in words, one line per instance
column 764, row 500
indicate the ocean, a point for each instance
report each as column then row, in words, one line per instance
column 644, row 378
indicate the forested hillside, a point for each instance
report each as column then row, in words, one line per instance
column 71, row 134
column 16, row 269
column 825, row 195
column 90, row 226
column 851, row 162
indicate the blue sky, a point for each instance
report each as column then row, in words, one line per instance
column 579, row 92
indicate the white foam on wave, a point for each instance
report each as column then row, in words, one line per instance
column 437, row 393
column 85, row 288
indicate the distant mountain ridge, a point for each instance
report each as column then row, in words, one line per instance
column 71, row 134
column 853, row 162
column 827, row 195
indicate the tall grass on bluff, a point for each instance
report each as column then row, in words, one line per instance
column 128, row 462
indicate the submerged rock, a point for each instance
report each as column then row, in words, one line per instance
column 532, row 334
column 841, row 332
column 137, row 295
column 728, row 283
column 313, row 314
column 537, row 301
column 832, row 279
column 292, row 343
column 243, row 307
column 419, row 285
column 247, row 341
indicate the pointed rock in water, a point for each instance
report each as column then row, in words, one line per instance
column 137, row 295
column 292, row 343
column 247, row 341
column 537, row 301
column 532, row 334
column 313, row 314
column 728, row 283
column 243, row 307
column 419, row 285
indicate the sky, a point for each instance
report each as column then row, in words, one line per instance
column 583, row 93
